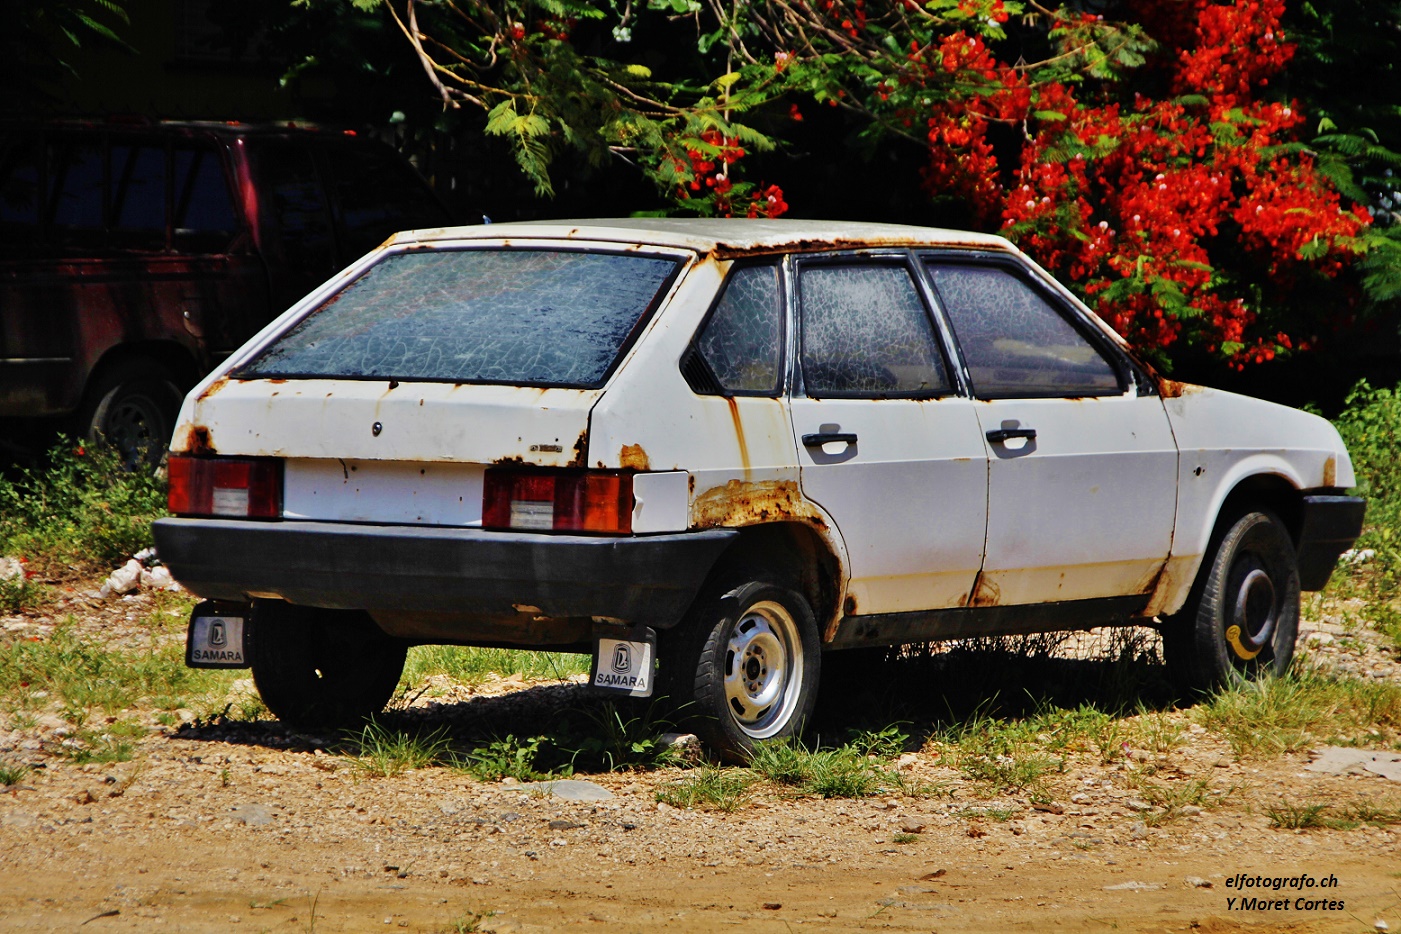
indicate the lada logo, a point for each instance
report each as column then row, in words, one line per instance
column 217, row 636
column 622, row 658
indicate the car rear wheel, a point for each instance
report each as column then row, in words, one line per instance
column 132, row 407
column 743, row 667
column 322, row 668
column 1242, row 618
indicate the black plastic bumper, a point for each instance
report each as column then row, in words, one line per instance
column 461, row 573
column 1330, row 525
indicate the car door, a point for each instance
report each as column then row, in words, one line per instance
column 886, row 444
column 1082, row 475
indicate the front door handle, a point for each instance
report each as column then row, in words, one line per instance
column 999, row 435
column 823, row 437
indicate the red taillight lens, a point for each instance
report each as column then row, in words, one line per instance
column 242, row 487
column 557, row 500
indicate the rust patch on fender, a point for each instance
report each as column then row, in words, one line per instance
column 1330, row 471
column 849, row 605
column 740, row 503
column 739, row 432
column 633, row 457
column 985, row 592
column 509, row 461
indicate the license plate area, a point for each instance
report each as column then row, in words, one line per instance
column 624, row 661
column 218, row 636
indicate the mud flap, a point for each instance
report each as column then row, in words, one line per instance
column 624, row 661
column 218, row 636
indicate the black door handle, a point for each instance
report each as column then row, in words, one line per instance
column 822, row 437
column 999, row 435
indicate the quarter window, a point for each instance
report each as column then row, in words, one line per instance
column 867, row 333
column 1015, row 342
column 742, row 343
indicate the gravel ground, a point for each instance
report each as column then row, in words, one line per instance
column 231, row 826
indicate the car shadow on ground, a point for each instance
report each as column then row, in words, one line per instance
column 924, row 689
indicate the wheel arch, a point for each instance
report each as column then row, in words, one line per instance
column 169, row 355
column 1269, row 484
column 799, row 555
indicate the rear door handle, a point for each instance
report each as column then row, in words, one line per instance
column 999, row 435
column 823, row 437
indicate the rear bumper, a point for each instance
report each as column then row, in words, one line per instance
column 1330, row 525
column 446, row 574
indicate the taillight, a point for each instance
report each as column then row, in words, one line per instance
column 243, row 487
column 557, row 500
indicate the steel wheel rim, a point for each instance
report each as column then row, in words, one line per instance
column 763, row 670
column 1255, row 613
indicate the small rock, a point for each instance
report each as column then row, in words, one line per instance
column 564, row 825
column 1319, row 638
column 1133, row 887
column 567, row 789
column 1048, row 808
column 1137, row 804
column 772, row 906
column 912, row 825
column 1191, row 810
column 680, row 740
column 1381, row 925
column 1197, row 882
column 1138, row 831
column 1080, row 798
column 254, row 815
column 906, row 761
column 11, row 569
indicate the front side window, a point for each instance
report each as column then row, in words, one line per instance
column 138, row 195
column 520, row 317
column 204, row 211
column 866, row 333
column 1015, row 342
column 742, row 342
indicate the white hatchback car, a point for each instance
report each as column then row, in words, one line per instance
column 713, row 451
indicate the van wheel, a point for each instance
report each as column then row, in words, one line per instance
column 743, row 666
column 132, row 407
column 322, row 668
column 1242, row 618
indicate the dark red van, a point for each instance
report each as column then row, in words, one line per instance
column 133, row 257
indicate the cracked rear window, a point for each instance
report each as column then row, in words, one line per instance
column 531, row 317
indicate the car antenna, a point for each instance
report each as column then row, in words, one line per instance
column 485, row 219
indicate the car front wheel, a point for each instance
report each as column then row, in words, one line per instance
column 743, row 667
column 1241, row 621
column 322, row 668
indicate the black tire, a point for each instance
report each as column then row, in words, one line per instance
column 743, row 666
column 1242, row 618
column 132, row 407
column 318, row 668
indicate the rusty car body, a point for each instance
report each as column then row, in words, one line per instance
column 798, row 438
column 136, row 255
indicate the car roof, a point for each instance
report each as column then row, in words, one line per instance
column 722, row 236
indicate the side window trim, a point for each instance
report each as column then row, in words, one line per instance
column 1131, row 378
column 943, row 342
column 692, row 356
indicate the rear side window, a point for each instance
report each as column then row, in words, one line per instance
column 866, row 333
column 741, row 345
column 296, row 223
column 138, row 195
column 1016, row 344
column 521, row 317
column 204, row 213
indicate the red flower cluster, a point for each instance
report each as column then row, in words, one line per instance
column 1130, row 199
column 708, row 173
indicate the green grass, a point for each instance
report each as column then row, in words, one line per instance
column 85, row 675
column 474, row 665
column 842, row 772
column 1304, row 815
column 506, row 757
column 22, row 594
column 80, row 510
column 709, row 789
column 380, row 751
column 1281, row 715
column 12, row 773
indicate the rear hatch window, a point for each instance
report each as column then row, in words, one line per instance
column 514, row 316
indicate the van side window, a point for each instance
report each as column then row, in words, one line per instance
column 19, row 189
column 294, row 208
column 376, row 195
column 204, row 212
column 138, row 195
column 742, row 343
column 76, row 190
